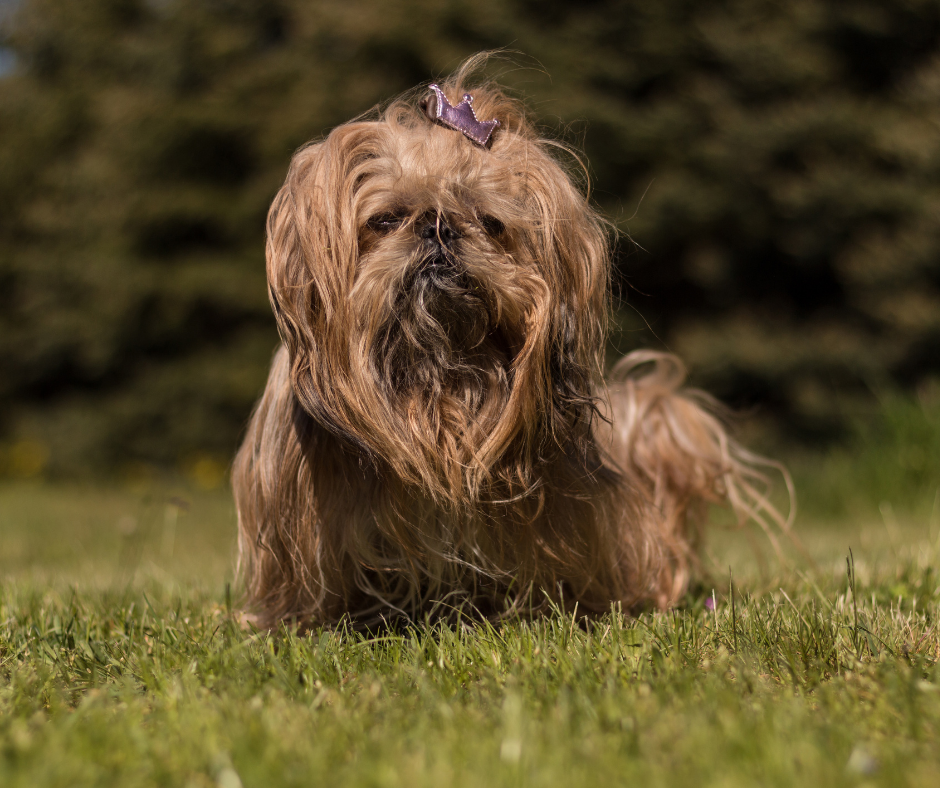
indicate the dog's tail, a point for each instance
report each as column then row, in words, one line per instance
column 674, row 451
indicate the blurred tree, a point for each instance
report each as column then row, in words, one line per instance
column 788, row 154
column 791, row 153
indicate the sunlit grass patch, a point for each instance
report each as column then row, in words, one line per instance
column 128, row 667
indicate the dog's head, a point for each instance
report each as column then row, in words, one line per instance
column 444, row 303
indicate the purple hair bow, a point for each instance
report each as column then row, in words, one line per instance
column 461, row 118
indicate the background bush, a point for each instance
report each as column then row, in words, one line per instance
column 776, row 163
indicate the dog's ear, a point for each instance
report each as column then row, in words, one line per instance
column 573, row 247
column 311, row 255
column 301, row 250
column 312, row 233
column 299, row 258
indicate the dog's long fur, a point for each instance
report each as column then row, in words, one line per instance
column 436, row 431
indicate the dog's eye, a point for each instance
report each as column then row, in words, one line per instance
column 385, row 223
column 492, row 226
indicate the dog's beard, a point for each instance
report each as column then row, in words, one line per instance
column 443, row 359
column 443, row 336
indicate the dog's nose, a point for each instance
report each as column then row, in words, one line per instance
column 436, row 229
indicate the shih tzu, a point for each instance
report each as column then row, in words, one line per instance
column 436, row 432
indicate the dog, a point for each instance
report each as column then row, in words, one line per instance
column 436, row 433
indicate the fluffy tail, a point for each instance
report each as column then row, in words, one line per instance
column 675, row 452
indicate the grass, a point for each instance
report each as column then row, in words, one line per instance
column 121, row 664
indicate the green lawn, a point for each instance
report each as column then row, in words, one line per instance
column 120, row 665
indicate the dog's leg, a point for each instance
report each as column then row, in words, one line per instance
column 279, row 555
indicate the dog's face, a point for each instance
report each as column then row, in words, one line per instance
column 443, row 303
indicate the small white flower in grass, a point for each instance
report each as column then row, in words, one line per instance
column 225, row 775
column 510, row 750
column 861, row 762
column 228, row 778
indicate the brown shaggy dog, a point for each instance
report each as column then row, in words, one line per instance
column 436, row 432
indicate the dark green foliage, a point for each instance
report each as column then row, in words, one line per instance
column 788, row 154
column 791, row 154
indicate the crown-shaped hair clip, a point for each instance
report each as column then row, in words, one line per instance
column 461, row 118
